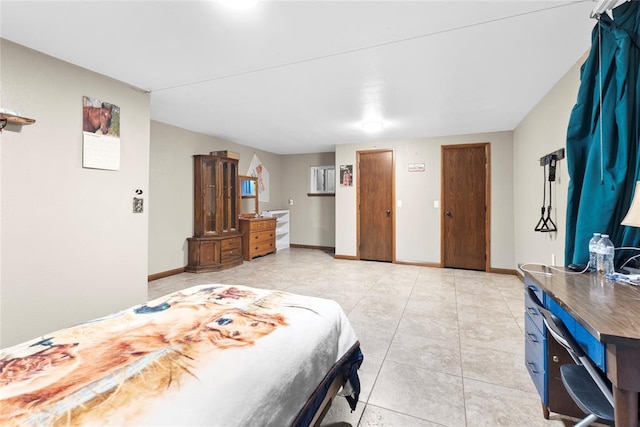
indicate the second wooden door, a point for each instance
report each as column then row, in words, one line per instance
column 375, row 202
column 465, row 174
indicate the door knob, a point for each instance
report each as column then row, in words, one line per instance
column 447, row 213
column 388, row 212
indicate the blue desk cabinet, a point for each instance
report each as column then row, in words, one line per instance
column 544, row 356
column 602, row 315
column 535, row 345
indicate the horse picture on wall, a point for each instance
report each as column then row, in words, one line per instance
column 100, row 134
column 100, row 117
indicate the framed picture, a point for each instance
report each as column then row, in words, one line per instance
column 346, row 175
column 100, row 134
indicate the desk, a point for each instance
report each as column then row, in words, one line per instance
column 611, row 313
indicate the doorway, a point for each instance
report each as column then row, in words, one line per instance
column 465, row 206
column 375, row 199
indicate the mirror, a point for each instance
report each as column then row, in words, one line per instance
column 248, row 196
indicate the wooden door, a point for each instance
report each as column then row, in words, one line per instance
column 376, row 208
column 465, row 206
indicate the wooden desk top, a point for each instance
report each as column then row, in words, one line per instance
column 610, row 311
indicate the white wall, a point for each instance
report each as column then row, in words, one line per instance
column 72, row 248
column 543, row 130
column 171, row 189
column 417, row 221
column 312, row 217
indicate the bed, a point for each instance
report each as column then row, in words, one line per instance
column 216, row 355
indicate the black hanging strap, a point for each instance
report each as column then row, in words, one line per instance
column 544, row 199
column 546, row 224
column 549, row 225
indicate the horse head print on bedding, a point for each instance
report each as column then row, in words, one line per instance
column 97, row 118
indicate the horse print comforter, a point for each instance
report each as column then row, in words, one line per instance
column 215, row 355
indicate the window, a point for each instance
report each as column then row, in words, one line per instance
column 323, row 180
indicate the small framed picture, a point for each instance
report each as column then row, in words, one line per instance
column 346, row 175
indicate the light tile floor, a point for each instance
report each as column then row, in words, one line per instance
column 442, row 347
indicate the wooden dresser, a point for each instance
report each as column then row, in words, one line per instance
column 258, row 237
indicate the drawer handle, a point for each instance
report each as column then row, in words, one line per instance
column 532, row 337
column 532, row 367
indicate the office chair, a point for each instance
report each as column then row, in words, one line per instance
column 583, row 381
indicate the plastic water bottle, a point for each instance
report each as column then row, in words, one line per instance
column 606, row 252
column 593, row 255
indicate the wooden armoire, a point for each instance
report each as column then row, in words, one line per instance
column 216, row 243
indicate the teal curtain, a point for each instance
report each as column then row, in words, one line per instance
column 602, row 149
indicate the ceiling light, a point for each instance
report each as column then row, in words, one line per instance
column 239, row 4
column 372, row 126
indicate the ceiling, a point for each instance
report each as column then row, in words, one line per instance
column 301, row 76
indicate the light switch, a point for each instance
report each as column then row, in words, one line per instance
column 138, row 205
column 399, row 203
column 436, row 204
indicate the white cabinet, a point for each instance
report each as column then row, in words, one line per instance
column 282, row 226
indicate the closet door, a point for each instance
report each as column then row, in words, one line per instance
column 376, row 222
column 465, row 206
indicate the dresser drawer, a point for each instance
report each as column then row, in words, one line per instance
column 534, row 337
column 261, row 248
column 233, row 243
column 262, row 225
column 531, row 309
column 534, row 357
column 230, row 255
column 262, row 236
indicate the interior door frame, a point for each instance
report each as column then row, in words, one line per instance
column 393, row 200
column 487, row 201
